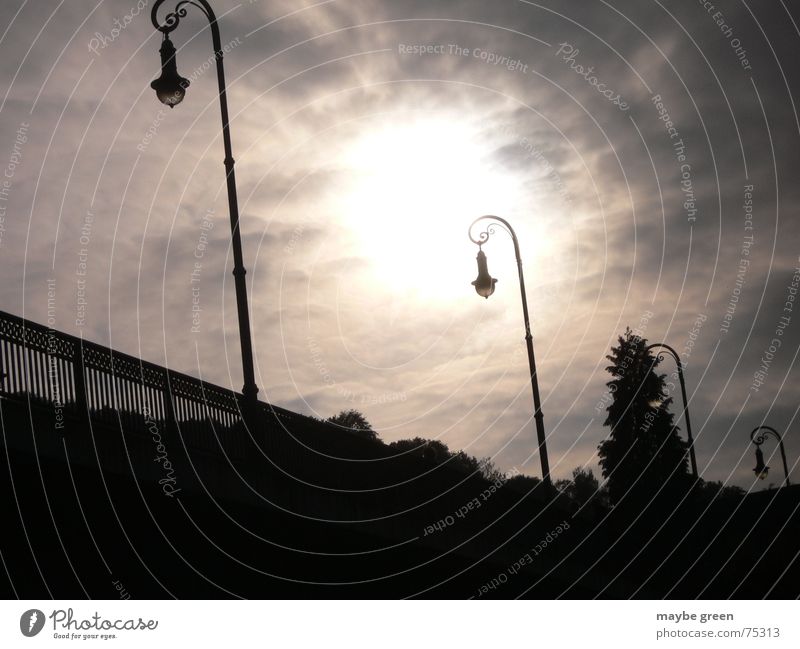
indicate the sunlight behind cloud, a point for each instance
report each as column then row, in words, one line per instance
column 415, row 187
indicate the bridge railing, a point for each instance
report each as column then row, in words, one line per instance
column 88, row 379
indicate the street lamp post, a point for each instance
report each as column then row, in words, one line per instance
column 663, row 347
column 757, row 436
column 484, row 285
column 170, row 88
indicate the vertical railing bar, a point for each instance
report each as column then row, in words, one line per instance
column 136, row 389
column 41, row 386
column 19, row 369
column 91, row 397
column 29, row 377
column 22, row 367
column 14, row 382
column 79, row 372
column 44, row 363
column 103, row 391
column 7, row 367
column 34, row 372
column 123, row 406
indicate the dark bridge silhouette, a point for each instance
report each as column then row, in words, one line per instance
column 119, row 475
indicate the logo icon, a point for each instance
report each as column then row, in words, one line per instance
column 31, row 622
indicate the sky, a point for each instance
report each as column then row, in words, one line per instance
column 645, row 153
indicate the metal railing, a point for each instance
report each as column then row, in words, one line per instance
column 84, row 378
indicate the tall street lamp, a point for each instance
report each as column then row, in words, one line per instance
column 484, row 286
column 170, row 88
column 757, row 436
column 663, row 347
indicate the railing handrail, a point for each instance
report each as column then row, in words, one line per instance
column 172, row 378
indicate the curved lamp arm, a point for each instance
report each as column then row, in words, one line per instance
column 669, row 350
column 483, row 237
column 172, row 19
column 663, row 348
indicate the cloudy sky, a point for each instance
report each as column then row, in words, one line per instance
column 641, row 150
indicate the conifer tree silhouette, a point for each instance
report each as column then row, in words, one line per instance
column 643, row 456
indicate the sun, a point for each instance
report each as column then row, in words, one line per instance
column 411, row 191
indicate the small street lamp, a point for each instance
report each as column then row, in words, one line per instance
column 170, row 88
column 663, row 347
column 484, row 286
column 758, row 436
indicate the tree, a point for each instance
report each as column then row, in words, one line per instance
column 643, row 454
column 435, row 452
column 583, row 487
column 431, row 450
column 716, row 491
column 355, row 422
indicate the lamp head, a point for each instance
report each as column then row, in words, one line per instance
column 170, row 87
column 761, row 470
column 484, row 283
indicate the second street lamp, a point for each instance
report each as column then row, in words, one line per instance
column 662, row 348
column 758, row 436
column 170, row 88
column 484, row 286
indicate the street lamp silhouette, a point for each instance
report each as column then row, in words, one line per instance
column 666, row 348
column 170, row 89
column 758, row 436
column 484, row 286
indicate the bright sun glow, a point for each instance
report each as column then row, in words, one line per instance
column 415, row 188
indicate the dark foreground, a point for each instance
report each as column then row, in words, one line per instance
column 84, row 515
